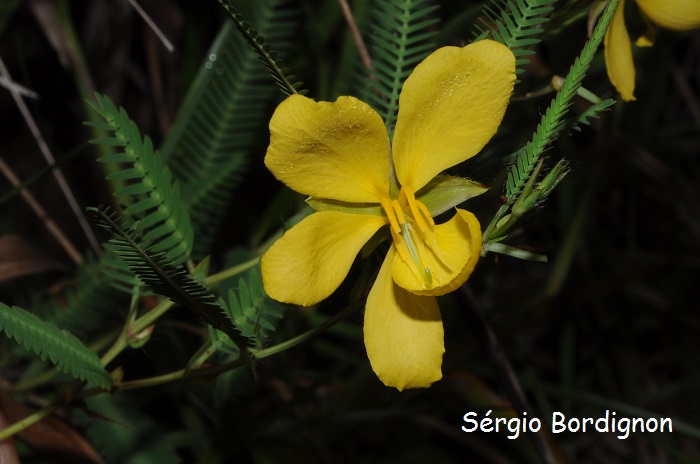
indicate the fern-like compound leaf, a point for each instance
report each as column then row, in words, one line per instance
column 152, row 195
column 252, row 311
column 402, row 36
column 63, row 349
column 162, row 274
column 554, row 119
column 516, row 24
column 218, row 125
column 589, row 113
column 286, row 82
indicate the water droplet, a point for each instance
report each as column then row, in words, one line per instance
column 208, row 65
column 219, row 70
column 212, row 57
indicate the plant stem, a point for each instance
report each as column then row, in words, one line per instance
column 215, row 279
column 163, row 307
column 257, row 354
column 28, row 421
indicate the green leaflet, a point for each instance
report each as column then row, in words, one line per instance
column 402, row 36
column 590, row 112
column 66, row 352
column 162, row 274
column 554, row 119
column 524, row 171
column 252, row 311
column 516, row 24
column 285, row 81
column 218, row 124
column 152, row 195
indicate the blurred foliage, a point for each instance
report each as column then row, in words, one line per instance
column 610, row 322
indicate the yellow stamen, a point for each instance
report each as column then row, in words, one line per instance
column 426, row 214
column 411, row 199
column 399, row 211
column 400, row 246
column 409, row 219
column 390, row 214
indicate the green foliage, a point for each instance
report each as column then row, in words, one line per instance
column 516, row 24
column 402, row 36
column 592, row 111
column 66, row 352
column 118, row 273
column 252, row 311
column 160, row 273
column 285, row 81
column 153, row 197
column 183, row 392
column 221, row 117
column 554, row 119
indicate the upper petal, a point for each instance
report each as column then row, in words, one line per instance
column 678, row 15
column 403, row 333
column 450, row 107
column 618, row 54
column 459, row 244
column 329, row 150
column 312, row 258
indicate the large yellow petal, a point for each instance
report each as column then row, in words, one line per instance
column 459, row 244
column 403, row 333
column 618, row 55
column 450, row 107
column 678, row 15
column 338, row 151
column 312, row 258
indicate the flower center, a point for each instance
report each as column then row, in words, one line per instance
column 412, row 228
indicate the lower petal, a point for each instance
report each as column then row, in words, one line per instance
column 459, row 244
column 677, row 15
column 618, row 55
column 312, row 258
column 403, row 333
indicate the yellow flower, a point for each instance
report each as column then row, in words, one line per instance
column 340, row 155
column 677, row 15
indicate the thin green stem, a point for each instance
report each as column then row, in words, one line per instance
column 176, row 375
column 256, row 354
column 163, row 307
column 28, row 421
column 331, row 321
column 215, row 279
